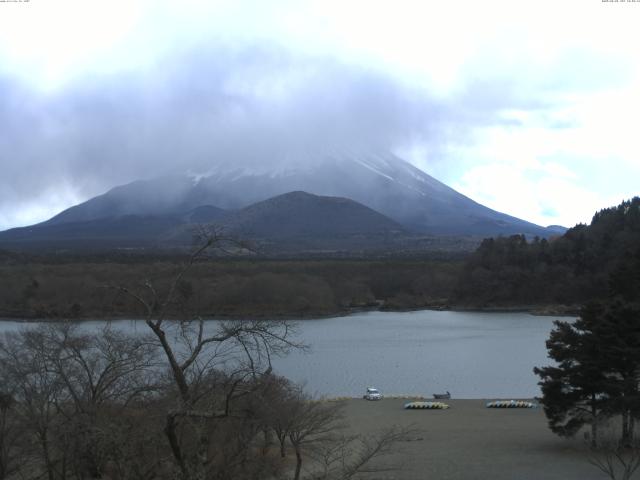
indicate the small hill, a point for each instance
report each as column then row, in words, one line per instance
column 300, row 214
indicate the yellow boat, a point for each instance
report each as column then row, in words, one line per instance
column 426, row 406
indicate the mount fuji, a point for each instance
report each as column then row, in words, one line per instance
column 396, row 196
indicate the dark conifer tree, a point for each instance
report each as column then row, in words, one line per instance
column 598, row 362
column 574, row 391
column 618, row 331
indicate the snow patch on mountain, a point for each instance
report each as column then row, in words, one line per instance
column 373, row 169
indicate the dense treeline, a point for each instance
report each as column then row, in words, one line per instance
column 504, row 272
column 231, row 287
column 570, row 269
column 594, row 380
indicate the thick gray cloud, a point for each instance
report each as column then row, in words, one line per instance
column 474, row 99
column 196, row 108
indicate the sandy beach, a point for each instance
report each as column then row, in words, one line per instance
column 469, row 441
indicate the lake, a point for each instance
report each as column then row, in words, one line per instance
column 470, row 354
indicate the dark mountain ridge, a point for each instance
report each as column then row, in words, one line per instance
column 296, row 220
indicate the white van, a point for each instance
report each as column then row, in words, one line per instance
column 372, row 394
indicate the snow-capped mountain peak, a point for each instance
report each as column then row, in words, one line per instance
column 378, row 180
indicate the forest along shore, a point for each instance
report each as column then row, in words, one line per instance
column 542, row 276
column 469, row 441
column 85, row 288
column 536, row 310
column 241, row 289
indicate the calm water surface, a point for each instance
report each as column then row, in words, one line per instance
column 471, row 354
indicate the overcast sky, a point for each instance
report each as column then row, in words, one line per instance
column 529, row 107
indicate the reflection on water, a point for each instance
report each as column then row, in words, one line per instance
column 473, row 355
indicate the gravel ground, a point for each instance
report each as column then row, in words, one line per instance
column 469, row 441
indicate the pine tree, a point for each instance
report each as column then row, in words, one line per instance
column 598, row 370
column 574, row 391
column 618, row 329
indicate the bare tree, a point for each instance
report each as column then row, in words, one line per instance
column 10, row 435
column 137, row 444
column 617, row 459
column 38, row 392
column 349, row 455
column 312, row 422
column 195, row 352
column 71, row 388
column 278, row 403
column 102, row 374
column 315, row 429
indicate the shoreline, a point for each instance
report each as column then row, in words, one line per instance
column 534, row 310
column 421, row 398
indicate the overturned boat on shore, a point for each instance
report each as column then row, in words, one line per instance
column 426, row 406
column 511, row 404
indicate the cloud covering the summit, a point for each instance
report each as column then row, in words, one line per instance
column 528, row 110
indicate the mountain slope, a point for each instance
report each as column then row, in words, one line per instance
column 126, row 231
column 294, row 221
column 382, row 182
